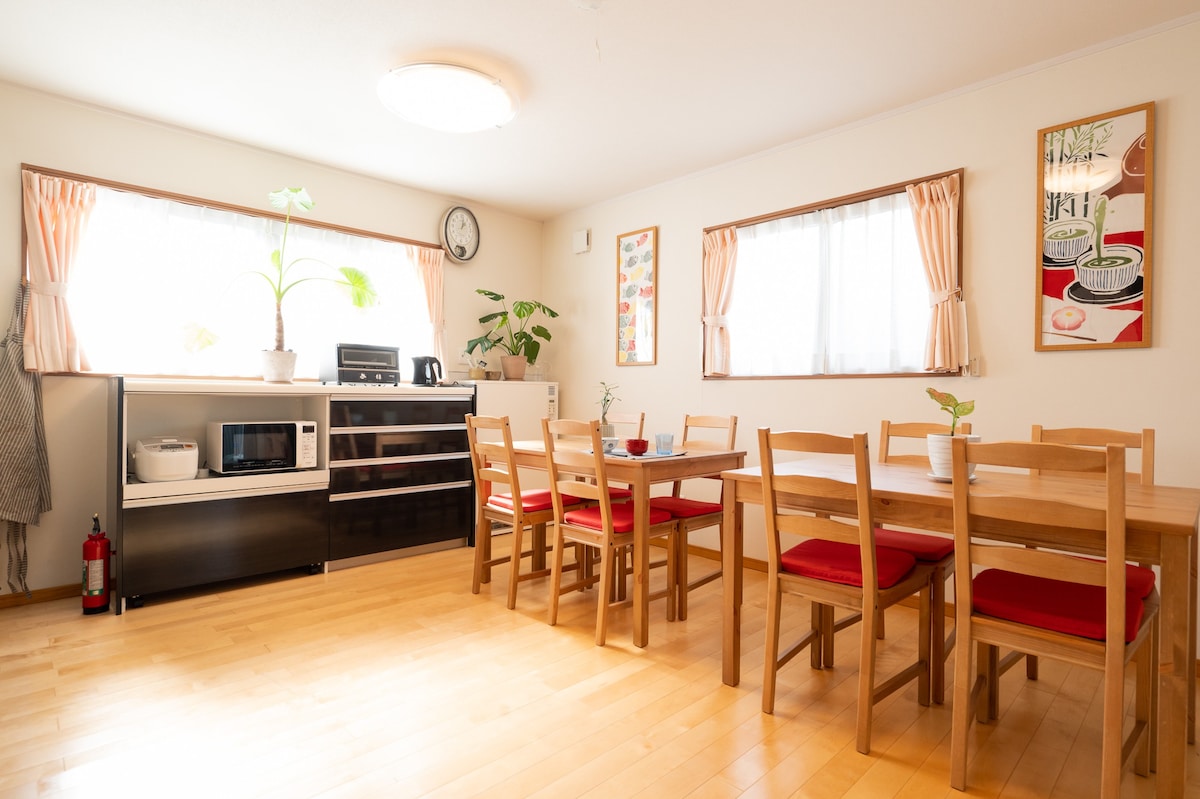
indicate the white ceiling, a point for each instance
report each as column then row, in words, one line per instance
column 616, row 95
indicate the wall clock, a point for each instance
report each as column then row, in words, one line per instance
column 460, row 234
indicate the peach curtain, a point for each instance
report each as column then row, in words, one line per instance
column 429, row 270
column 56, row 214
column 935, row 213
column 720, row 263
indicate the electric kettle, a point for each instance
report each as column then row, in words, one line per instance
column 427, row 371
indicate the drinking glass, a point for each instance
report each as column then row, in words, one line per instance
column 664, row 443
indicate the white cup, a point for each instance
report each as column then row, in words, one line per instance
column 664, row 443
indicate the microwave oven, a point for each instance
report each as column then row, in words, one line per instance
column 250, row 447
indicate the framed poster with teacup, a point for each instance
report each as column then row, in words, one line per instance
column 1095, row 195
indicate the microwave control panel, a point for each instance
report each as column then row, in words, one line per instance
column 306, row 446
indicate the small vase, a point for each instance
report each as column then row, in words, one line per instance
column 278, row 366
column 513, row 366
column 940, row 460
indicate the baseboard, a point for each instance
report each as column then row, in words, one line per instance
column 39, row 595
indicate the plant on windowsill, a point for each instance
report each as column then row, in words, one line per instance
column 939, row 444
column 512, row 332
column 279, row 364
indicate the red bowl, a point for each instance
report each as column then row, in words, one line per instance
column 637, row 446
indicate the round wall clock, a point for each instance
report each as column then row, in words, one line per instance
column 460, row 234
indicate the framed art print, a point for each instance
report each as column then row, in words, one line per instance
column 637, row 301
column 1095, row 190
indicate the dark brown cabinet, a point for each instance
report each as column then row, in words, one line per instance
column 399, row 472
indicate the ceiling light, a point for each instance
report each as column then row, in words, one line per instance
column 447, row 97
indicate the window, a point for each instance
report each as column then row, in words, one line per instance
column 168, row 288
column 834, row 289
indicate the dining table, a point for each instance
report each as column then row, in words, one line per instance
column 640, row 472
column 1161, row 529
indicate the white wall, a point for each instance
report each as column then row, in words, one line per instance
column 50, row 132
column 992, row 133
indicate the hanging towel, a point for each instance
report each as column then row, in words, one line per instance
column 24, row 459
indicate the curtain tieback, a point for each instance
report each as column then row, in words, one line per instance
column 936, row 298
column 718, row 320
column 49, row 289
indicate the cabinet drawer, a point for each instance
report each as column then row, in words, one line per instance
column 378, row 524
column 409, row 474
column 395, row 443
column 393, row 411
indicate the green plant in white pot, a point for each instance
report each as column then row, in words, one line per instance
column 939, row 444
column 283, row 276
column 514, row 332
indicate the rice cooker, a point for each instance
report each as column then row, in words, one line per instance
column 162, row 458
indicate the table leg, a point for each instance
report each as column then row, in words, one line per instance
column 641, row 562
column 1191, row 663
column 731, row 586
column 1174, row 669
column 537, row 543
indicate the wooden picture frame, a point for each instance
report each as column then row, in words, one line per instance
column 637, row 298
column 1095, row 197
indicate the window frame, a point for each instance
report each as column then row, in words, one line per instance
column 850, row 199
column 162, row 194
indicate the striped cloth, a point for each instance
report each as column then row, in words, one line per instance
column 24, row 461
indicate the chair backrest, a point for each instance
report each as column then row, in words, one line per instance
column 1100, row 437
column 493, row 461
column 708, row 433
column 705, row 432
column 848, row 481
column 978, row 511
column 911, row 430
column 576, row 472
column 627, row 425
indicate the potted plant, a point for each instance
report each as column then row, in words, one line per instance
column 509, row 332
column 939, row 444
column 279, row 364
column 606, row 399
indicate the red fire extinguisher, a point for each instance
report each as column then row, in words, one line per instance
column 96, row 554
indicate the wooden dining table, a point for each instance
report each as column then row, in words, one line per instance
column 640, row 473
column 1161, row 528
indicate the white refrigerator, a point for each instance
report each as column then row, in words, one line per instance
column 524, row 402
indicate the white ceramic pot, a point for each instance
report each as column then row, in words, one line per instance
column 278, row 367
column 940, row 460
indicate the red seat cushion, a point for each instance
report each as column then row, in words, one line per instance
column 622, row 514
column 925, row 548
column 836, row 562
column 619, row 493
column 531, row 501
column 1056, row 605
column 682, row 508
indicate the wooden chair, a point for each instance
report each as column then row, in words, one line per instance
column 932, row 549
column 494, row 467
column 838, row 566
column 605, row 526
column 1052, row 604
column 1095, row 437
column 695, row 514
column 628, row 425
column 1101, row 437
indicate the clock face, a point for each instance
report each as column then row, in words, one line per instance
column 460, row 234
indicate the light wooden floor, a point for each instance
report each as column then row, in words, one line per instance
column 393, row 680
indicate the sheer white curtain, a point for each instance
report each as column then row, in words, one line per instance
column 835, row 291
column 169, row 288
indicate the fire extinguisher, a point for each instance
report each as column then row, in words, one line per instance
column 96, row 554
